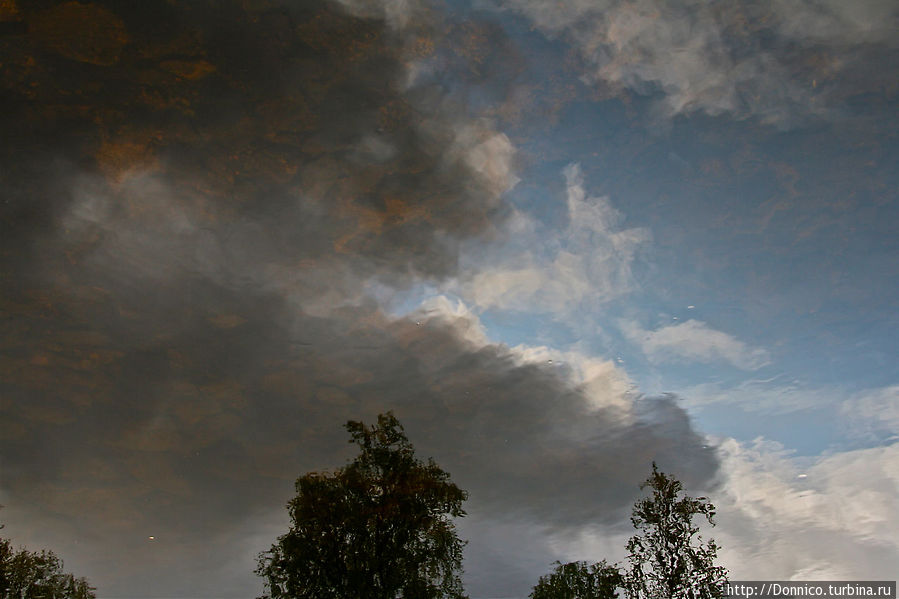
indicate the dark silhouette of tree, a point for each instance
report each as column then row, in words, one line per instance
column 579, row 580
column 667, row 557
column 38, row 575
column 379, row 528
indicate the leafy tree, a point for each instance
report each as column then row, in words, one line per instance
column 378, row 528
column 579, row 580
column 38, row 575
column 667, row 558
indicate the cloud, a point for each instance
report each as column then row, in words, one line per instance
column 869, row 416
column 773, row 396
column 189, row 436
column 777, row 61
column 827, row 518
column 694, row 341
column 274, row 125
column 604, row 384
column 396, row 13
column 587, row 262
column 873, row 414
column 197, row 210
column 784, row 517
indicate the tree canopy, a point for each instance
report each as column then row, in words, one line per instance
column 579, row 580
column 38, row 574
column 379, row 528
column 667, row 557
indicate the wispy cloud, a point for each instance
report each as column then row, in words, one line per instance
column 694, row 341
column 873, row 414
column 775, row 60
column 586, row 263
column 774, row 395
column 831, row 517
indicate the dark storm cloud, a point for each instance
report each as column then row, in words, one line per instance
column 186, row 436
column 299, row 114
column 196, row 198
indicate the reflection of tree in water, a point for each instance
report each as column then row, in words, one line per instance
column 380, row 527
column 38, row 575
column 667, row 560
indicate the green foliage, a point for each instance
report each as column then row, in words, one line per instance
column 579, row 580
column 378, row 528
column 38, row 575
column 667, row 557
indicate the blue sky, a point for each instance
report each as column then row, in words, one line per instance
column 759, row 282
column 778, row 237
column 561, row 241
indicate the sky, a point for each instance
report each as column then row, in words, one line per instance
column 559, row 240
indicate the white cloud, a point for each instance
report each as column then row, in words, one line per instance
column 870, row 415
column 721, row 57
column 694, row 341
column 589, row 261
column 489, row 154
column 446, row 311
column 874, row 413
column 840, row 521
column 762, row 395
column 602, row 382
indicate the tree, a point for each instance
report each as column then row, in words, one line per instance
column 579, row 580
column 667, row 558
column 379, row 528
column 38, row 575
